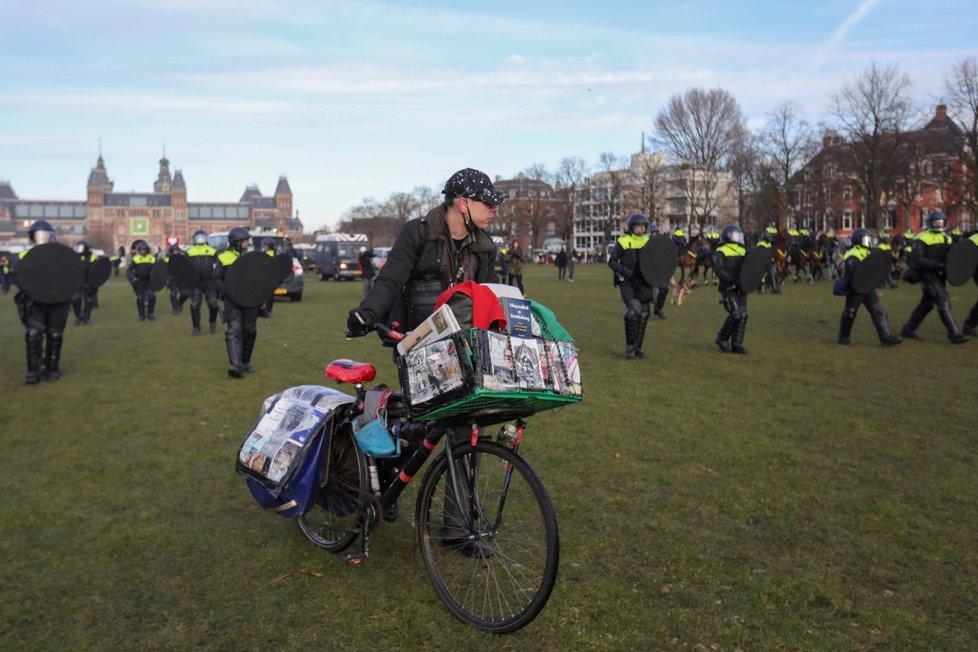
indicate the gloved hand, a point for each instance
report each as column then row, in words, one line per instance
column 360, row 322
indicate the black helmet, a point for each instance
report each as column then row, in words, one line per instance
column 653, row 228
column 732, row 233
column 140, row 245
column 936, row 216
column 268, row 243
column 41, row 232
column 199, row 237
column 883, row 236
column 636, row 219
column 173, row 249
column 237, row 238
column 862, row 237
column 82, row 246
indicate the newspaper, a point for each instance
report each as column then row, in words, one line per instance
column 438, row 325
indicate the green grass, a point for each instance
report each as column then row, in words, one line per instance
column 805, row 497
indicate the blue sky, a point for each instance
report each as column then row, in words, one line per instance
column 362, row 99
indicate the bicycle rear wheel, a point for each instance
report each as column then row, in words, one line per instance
column 332, row 522
column 496, row 573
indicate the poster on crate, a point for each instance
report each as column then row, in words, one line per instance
column 498, row 368
column 433, row 370
column 567, row 352
column 526, row 356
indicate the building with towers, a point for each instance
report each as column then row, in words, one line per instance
column 110, row 219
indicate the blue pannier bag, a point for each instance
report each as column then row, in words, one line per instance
column 282, row 455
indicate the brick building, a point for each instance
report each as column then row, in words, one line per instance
column 926, row 171
column 109, row 219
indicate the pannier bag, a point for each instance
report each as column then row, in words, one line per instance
column 281, row 456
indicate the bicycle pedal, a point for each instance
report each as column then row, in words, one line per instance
column 352, row 558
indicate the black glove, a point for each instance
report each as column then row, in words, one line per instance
column 360, row 322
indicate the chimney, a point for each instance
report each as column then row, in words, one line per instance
column 828, row 139
column 940, row 112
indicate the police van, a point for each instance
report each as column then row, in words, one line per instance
column 293, row 284
column 336, row 255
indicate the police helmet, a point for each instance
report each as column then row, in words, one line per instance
column 653, row 228
column 933, row 218
column 268, row 243
column 141, row 245
column 173, row 249
column 732, row 233
column 81, row 246
column 862, row 237
column 200, row 237
column 41, row 232
column 636, row 219
column 238, row 238
column 883, row 237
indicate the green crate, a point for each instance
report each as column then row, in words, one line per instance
column 486, row 404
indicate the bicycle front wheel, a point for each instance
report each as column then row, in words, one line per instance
column 333, row 521
column 488, row 536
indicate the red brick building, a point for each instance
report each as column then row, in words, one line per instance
column 928, row 171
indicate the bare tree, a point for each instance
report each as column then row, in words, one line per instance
column 961, row 86
column 701, row 129
column 615, row 169
column 647, row 193
column 787, row 142
column 570, row 174
column 425, row 199
column 872, row 112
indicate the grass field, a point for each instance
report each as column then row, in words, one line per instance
column 806, row 497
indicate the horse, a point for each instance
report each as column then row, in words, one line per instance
column 816, row 264
column 694, row 256
column 826, row 254
column 779, row 252
column 798, row 258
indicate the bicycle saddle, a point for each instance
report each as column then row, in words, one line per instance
column 349, row 371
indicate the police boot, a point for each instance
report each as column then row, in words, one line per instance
column 723, row 336
column 737, row 339
column 150, row 308
column 248, row 345
column 175, row 303
column 947, row 318
column 972, row 321
column 629, row 337
column 34, row 342
column 882, row 324
column 212, row 320
column 641, row 323
column 52, row 356
column 660, row 301
column 87, row 310
column 141, row 308
column 845, row 327
column 195, row 319
column 234, row 346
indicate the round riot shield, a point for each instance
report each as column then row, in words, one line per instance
column 158, row 276
column 657, row 261
column 753, row 268
column 283, row 267
column 99, row 272
column 50, row 273
column 251, row 280
column 961, row 262
column 872, row 271
column 184, row 271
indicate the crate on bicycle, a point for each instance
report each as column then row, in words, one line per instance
column 515, row 360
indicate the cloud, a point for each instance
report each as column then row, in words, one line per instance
column 853, row 19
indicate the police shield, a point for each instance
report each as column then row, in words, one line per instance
column 753, row 268
column 961, row 262
column 657, row 260
column 99, row 272
column 184, row 271
column 251, row 280
column 50, row 273
column 283, row 267
column 158, row 276
column 872, row 271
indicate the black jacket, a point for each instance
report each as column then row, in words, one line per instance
column 422, row 264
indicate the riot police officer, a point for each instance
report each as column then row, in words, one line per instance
column 44, row 322
column 268, row 247
column 178, row 293
column 138, row 273
column 861, row 248
column 928, row 253
column 972, row 321
column 87, row 297
column 727, row 261
column 636, row 294
column 242, row 323
column 204, row 258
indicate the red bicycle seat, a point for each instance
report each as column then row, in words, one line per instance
column 348, row 371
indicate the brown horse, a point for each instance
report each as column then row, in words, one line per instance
column 696, row 255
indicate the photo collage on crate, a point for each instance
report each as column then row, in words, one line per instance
column 514, row 363
column 433, row 370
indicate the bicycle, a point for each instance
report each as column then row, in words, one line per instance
column 484, row 522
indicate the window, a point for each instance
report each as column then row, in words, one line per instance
column 889, row 218
column 847, row 194
column 551, row 228
column 846, row 220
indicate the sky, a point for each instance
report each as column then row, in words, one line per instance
column 356, row 100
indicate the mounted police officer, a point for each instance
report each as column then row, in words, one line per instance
column 928, row 253
column 204, row 258
column 767, row 240
column 242, row 323
column 636, row 294
column 727, row 262
column 861, row 248
column 44, row 322
column 87, row 297
column 138, row 273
